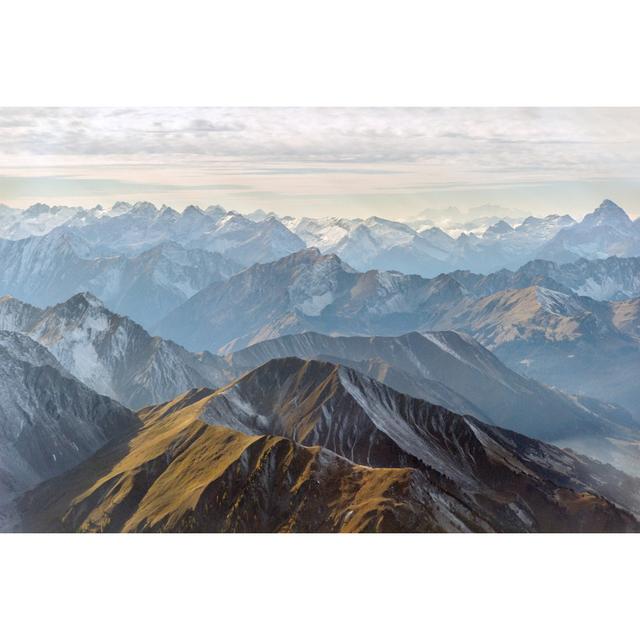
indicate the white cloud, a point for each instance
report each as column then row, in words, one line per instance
column 344, row 154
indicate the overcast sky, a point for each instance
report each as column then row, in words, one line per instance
column 345, row 162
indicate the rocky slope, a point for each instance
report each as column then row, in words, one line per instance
column 303, row 445
column 49, row 421
column 455, row 371
column 609, row 279
column 581, row 345
column 110, row 353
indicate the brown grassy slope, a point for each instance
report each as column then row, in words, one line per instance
column 179, row 474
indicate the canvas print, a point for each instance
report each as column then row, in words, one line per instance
column 319, row 320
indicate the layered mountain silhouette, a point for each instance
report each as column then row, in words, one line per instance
column 545, row 329
column 488, row 244
column 117, row 357
column 606, row 279
column 455, row 371
column 142, row 226
column 579, row 344
column 295, row 374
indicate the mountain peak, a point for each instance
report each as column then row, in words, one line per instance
column 144, row 208
column 607, row 213
column 193, row 210
column 36, row 209
column 84, row 298
column 500, row 227
column 167, row 211
column 120, row 207
column 215, row 209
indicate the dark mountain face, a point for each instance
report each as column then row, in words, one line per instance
column 49, row 421
column 306, row 445
column 456, row 372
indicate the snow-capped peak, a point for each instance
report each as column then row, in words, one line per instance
column 607, row 213
column 86, row 299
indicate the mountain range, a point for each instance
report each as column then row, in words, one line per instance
column 306, row 291
column 551, row 334
column 310, row 446
column 117, row 357
column 142, row 226
column 611, row 278
column 47, row 269
column 574, row 342
column 205, row 370
column 371, row 243
column 537, row 318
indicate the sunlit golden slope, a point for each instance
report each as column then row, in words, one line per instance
column 312, row 446
column 180, row 474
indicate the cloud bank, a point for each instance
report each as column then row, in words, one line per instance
column 390, row 161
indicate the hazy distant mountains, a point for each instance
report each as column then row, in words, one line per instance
column 47, row 269
column 301, row 292
column 376, row 243
column 577, row 343
column 551, row 334
column 372, row 243
column 608, row 231
column 564, row 324
column 605, row 279
column 131, row 229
